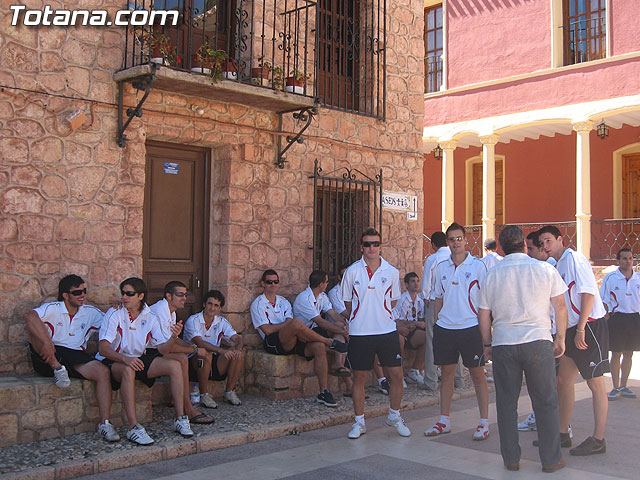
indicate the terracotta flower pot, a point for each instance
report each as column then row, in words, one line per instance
column 294, row 85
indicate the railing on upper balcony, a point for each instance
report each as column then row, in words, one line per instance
column 585, row 40
column 250, row 41
column 610, row 235
column 433, row 73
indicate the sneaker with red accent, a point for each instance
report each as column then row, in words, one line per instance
column 437, row 429
column 481, row 433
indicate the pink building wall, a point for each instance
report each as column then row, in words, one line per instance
column 624, row 27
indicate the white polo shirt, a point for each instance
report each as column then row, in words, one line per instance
column 264, row 312
column 459, row 288
column 220, row 328
column 126, row 336
column 518, row 291
column 619, row 294
column 335, row 297
column 306, row 306
column 492, row 259
column 67, row 331
column 409, row 309
column 428, row 280
column 371, row 295
column 575, row 270
column 166, row 320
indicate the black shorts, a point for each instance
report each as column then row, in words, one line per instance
column 66, row 356
column 271, row 344
column 450, row 344
column 322, row 332
column 364, row 348
column 624, row 332
column 149, row 356
column 594, row 361
column 214, row 373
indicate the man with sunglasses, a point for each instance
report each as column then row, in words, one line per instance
column 175, row 296
column 456, row 333
column 371, row 289
column 58, row 336
column 282, row 334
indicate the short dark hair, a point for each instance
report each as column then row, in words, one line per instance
column 622, row 250
column 268, row 273
column 409, row 276
column 490, row 244
column 344, row 266
column 317, row 277
column 439, row 239
column 552, row 229
column 370, row 232
column 455, row 226
column 512, row 240
column 67, row 283
column 215, row 294
column 138, row 286
column 535, row 238
column 170, row 288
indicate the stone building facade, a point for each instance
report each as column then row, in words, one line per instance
column 72, row 201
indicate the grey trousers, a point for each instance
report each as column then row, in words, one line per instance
column 537, row 362
column 430, row 375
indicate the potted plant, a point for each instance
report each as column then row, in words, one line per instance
column 260, row 75
column 231, row 70
column 161, row 49
column 210, row 61
column 296, row 81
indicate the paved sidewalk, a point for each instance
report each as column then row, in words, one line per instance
column 257, row 419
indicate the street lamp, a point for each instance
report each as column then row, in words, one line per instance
column 602, row 130
column 437, row 152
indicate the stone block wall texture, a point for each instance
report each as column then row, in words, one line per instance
column 72, row 201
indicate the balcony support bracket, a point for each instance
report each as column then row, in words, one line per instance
column 305, row 115
column 142, row 83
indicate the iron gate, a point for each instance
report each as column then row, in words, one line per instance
column 345, row 203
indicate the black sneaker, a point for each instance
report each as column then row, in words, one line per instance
column 591, row 446
column 326, row 397
column 384, row 387
column 339, row 347
column 565, row 440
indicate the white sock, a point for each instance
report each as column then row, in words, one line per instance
column 414, row 370
column 360, row 419
column 380, row 380
column 484, row 422
column 394, row 413
column 445, row 419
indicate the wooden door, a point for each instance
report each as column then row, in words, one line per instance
column 630, row 198
column 476, row 218
column 176, row 220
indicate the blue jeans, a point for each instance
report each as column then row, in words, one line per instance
column 537, row 361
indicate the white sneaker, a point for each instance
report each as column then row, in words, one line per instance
column 528, row 424
column 207, row 401
column 481, row 433
column 61, row 377
column 404, row 384
column 232, row 398
column 398, row 422
column 570, row 432
column 139, row 435
column 181, row 424
column 356, row 430
column 437, row 429
column 413, row 376
column 108, row 431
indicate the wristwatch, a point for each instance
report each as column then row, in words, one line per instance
column 486, row 345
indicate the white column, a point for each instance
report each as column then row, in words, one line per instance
column 583, row 188
column 488, row 186
column 447, row 182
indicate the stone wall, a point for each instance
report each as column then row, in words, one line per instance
column 71, row 201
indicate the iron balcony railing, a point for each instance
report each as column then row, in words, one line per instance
column 433, row 73
column 585, row 40
column 610, row 235
column 328, row 49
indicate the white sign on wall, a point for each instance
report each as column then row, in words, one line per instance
column 401, row 201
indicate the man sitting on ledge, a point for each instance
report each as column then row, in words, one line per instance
column 282, row 334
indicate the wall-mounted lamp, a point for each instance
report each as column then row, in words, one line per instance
column 437, row 152
column 602, row 129
column 197, row 109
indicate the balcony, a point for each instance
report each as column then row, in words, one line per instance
column 585, row 40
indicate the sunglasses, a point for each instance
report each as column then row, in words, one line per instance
column 271, row 282
column 370, row 244
column 181, row 294
column 77, row 293
column 128, row 293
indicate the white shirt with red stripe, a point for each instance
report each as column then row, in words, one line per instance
column 576, row 271
column 459, row 288
column 264, row 312
column 166, row 319
column 335, row 297
column 428, row 280
column 306, row 306
column 126, row 336
column 196, row 326
column 619, row 294
column 371, row 294
column 410, row 309
column 67, row 330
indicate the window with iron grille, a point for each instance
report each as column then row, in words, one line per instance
column 584, row 30
column 351, row 56
column 433, row 48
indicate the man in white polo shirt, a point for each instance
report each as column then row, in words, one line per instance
column 492, row 257
column 587, row 340
column 58, row 336
column 409, row 315
column 371, row 289
column 282, row 334
column 514, row 300
column 458, row 280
